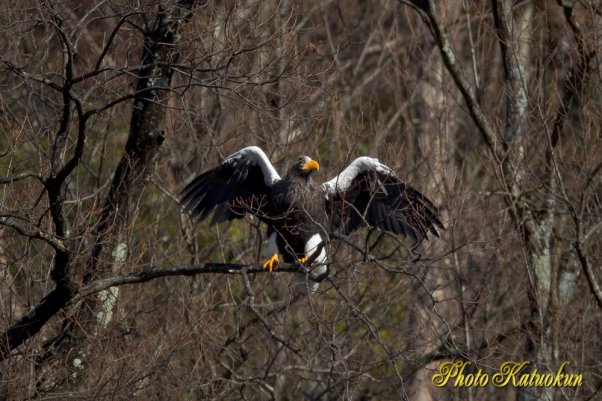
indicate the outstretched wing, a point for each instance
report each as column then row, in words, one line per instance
column 240, row 185
column 367, row 193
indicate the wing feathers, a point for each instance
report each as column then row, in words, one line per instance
column 240, row 185
column 367, row 193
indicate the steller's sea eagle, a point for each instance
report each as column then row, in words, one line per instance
column 299, row 214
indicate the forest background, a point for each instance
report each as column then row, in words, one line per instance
column 107, row 108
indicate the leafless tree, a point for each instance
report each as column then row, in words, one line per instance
column 107, row 109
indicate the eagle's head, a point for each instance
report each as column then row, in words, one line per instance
column 303, row 167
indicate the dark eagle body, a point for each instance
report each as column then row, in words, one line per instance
column 301, row 215
column 296, row 215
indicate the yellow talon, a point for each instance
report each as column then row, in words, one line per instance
column 303, row 259
column 271, row 262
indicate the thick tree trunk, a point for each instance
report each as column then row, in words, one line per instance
column 137, row 163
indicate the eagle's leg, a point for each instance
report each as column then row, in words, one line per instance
column 271, row 262
column 302, row 259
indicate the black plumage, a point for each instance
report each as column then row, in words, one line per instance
column 233, row 188
column 294, row 211
column 384, row 201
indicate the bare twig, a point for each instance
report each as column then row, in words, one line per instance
column 264, row 322
column 20, row 176
column 49, row 238
column 427, row 10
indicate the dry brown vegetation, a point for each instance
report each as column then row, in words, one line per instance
column 107, row 108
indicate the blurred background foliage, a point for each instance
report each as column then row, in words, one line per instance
column 333, row 80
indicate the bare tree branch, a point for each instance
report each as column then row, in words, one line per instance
column 21, row 176
column 428, row 12
column 153, row 273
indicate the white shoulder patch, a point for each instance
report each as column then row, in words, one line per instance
column 342, row 182
column 258, row 157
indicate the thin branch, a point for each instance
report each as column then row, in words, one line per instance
column 18, row 71
column 20, row 176
column 264, row 322
column 110, row 40
column 152, row 273
column 428, row 12
column 371, row 326
column 45, row 236
column 61, row 135
column 590, row 275
column 589, row 271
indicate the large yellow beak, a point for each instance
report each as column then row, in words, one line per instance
column 311, row 165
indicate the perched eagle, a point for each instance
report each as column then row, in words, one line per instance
column 299, row 214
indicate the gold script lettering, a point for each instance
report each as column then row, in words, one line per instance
column 507, row 373
column 447, row 370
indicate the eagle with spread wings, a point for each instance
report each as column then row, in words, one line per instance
column 301, row 215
